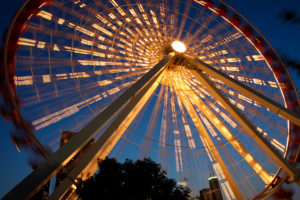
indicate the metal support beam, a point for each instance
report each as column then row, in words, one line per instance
column 246, row 124
column 34, row 181
column 109, row 138
column 218, row 124
column 207, row 140
column 246, row 90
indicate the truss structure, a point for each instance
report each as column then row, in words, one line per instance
column 125, row 108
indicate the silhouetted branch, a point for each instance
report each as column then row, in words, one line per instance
column 290, row 16
column 291, row 63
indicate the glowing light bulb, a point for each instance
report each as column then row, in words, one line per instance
column 178, row 46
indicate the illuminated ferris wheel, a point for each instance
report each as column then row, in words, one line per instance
column 191, row 84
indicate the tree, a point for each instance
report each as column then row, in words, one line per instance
column 290, row 17
column 139, row 180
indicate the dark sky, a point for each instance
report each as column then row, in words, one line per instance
column 264, row 14
column 13, row 166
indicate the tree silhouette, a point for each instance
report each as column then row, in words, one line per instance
column 139, row 180
column 290, row 16
column 291, row 63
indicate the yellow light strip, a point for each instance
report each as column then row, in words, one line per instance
column 263, row 174
column 45, row 15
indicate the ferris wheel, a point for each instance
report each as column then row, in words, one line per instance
column 191, row 84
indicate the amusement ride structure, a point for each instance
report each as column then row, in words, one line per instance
column 191, row 84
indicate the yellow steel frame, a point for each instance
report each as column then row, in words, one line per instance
column 264, row 175
column 239, row 116
column 132, row 100
column 184, row 97
column 89, row 164
column 34, row 181
column 246, row 90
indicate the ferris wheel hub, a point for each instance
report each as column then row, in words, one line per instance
column 178, row 46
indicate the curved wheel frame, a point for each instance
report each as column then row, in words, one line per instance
column 275, row 63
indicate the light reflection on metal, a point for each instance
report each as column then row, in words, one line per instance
column 264, row 175
column 207, row 142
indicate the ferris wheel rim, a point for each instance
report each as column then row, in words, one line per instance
column 11, row 86
column 43, row 2
column 12, row 95
column 209, row 4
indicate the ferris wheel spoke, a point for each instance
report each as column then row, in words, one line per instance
column 256, row 113
column 275, row 107
column 108, row 139
column 76, row 58
column 177, row 141
column 64, row 154
column 124, row 17
column 200, row 31
column 265, row 176
column 78, row 38
column 279, row 130
column 64, row 78
column 70, row 110
column 151, row 125
column 273, row 141
column 209, row 145
column 247, row 125
column 185, row 15
column 163, row 130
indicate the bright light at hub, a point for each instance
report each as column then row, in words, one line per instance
column 178, row 46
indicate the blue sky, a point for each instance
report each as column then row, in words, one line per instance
column 262, row 13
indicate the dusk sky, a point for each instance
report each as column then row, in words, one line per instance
column 264, row 14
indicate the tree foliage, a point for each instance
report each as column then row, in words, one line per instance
column 290, row 16
column 139, row 180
